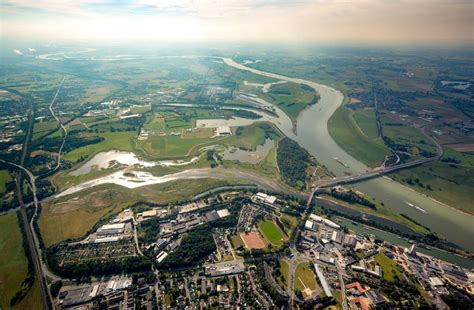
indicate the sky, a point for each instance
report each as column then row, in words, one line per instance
column 443, row 22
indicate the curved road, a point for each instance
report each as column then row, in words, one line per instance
column 63, row 128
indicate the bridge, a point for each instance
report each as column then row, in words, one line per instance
column 368, row 174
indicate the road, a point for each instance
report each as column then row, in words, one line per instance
column 370, row 174
column 40, row 266
column 31, row 237
column 63, row 128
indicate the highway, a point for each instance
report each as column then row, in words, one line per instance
column 31, row 237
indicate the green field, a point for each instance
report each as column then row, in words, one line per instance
column 272, row 232
column 174, row 146
column 291, row 98
column 112, row 141
column 389, row 267
column 450, row 183
column 4, row 178
column 283, row 279
column 59, row 220
column 305, row 279
column 42, row 128
column 407, row 136
column 365, row 120
column 290, row 222
column 354, row 137
column 13, row 263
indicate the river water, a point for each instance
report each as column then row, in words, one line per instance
column 313, row 135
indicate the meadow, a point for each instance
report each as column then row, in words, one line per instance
column 14, row 265
column 4, row 178
column 450, row 180
column 389, row 267
column 112, row 141
column 305, row 280
column 291, row 98
column 356, row 138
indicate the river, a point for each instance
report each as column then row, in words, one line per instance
column 313, row 135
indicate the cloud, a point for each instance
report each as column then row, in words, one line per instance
column 375, row 21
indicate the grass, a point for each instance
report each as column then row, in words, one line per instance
column 189, row 143
column 13, row 261
column 382, row 211
column 304, row 278
column 290, row 222
column 74, row 218
column 338, row 296
column 272, row 232
column 173, row 146
column 112, row 141
column 389, row 267
column 285, row 274
column 365, row 120
column 32, row 300
column 450, row 183
column 349, row 136
column 4, row 179
column 237, row 241
column 408, row 136
column 291, row 98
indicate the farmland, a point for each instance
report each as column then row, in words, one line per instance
column 13, row 263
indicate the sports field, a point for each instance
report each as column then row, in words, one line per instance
column 252, row 240
column 272, row 232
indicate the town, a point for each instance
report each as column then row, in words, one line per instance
column 248, row 257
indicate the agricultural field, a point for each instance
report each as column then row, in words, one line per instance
column 272, row 233
column 44, row 127
column 356, row 138
column 13, row 262
column 305, row 280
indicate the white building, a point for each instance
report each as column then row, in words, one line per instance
column 316, row 218
column 223, row 131
column 331, row 224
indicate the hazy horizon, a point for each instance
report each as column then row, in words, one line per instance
column 420, row 22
